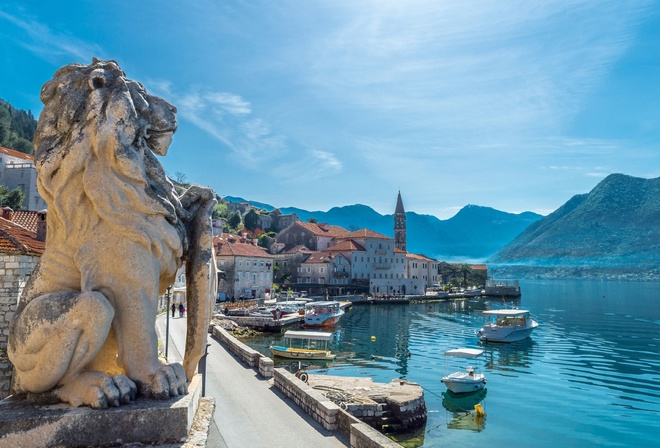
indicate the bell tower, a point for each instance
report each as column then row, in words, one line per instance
column 400, row 225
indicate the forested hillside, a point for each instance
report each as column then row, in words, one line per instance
column 16, row 128
column 613, row 228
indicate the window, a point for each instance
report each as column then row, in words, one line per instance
column 239, row 276
column 321, row 270
column 308, row 269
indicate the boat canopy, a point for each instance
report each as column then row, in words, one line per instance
column 464, row 352
column 318, row 335
column 505, row 312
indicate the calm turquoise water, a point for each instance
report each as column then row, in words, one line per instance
column 589, row 375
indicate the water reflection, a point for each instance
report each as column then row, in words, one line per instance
column 515, row 356
column 463, row 414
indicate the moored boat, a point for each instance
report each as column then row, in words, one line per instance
column 468, row 380
column 321, row 314
column 507, row 325
column 304, row 345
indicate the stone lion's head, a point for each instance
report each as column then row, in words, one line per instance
column 98, row 95
column 94, row 143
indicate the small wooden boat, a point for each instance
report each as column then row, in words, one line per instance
column 321, row 314
column 304, row 345
column 506, row 326
column 462, row 382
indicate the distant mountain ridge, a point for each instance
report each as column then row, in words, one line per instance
column 472, row 235
column 615, row 228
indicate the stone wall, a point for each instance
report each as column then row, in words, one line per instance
column 15, row 270
column 246, row 354
column 328, row 414
column 316, row 405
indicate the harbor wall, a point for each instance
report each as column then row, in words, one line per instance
column 317, row 406
column 248, row 355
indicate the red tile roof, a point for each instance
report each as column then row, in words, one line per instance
column 20, row 155
column 345, row 246
column 317, row 257
column 419, row 257
column 14, row 238
column 26, row 218
column 399, row 251
column 231, row 245
column 324, row 229
column 366, row 233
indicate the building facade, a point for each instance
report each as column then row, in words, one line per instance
column 20, row 250
column 316, row 237
column 17, row 170
column 248, row 268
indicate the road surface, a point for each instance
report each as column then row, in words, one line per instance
column 250, row 411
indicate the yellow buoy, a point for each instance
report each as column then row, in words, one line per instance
column 480, row 410
column 373, row 338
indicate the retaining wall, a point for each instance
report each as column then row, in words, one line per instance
column 316, row 405
column 248, row 355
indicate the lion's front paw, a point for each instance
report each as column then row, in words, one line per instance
column 165, row 382
column 97, row 390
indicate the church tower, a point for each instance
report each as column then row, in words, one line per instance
column 400, row 225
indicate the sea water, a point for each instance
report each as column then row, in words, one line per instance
column 589, row 376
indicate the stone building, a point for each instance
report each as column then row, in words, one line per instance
column 20, row 250
column 423, row 268
column 17, row 170
column 248, row 268
column 316, row 237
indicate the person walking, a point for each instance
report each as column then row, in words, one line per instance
column 181, row 309
column 173, row 309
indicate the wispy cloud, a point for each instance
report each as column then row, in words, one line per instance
column 48, row 44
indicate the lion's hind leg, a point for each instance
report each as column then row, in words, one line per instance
column 54, row 338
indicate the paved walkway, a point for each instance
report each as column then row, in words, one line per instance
column 250, row 411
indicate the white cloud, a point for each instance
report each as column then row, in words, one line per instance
column 49, row 44
column 327, row 160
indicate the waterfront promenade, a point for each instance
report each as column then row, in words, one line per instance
column 250, row 411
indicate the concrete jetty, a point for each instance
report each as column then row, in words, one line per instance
column 394, row 407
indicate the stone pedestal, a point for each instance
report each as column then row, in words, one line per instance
column 24, row 424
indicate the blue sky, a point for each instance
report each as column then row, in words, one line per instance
column 515, row 105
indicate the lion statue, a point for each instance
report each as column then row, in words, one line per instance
column 84, row 329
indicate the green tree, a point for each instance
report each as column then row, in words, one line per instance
column 251, row 220
column 220, row 211
column 11, row 198
column 234, row 221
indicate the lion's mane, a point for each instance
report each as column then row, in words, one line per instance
column 95, row 162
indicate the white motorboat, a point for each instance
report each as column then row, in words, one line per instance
column 321, row 314
column 468, row 380
column 507, row 325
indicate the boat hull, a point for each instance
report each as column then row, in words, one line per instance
column 494, row 333
column 462, row 383
column 284, row 352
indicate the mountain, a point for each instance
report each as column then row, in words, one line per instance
column 615, row 229
column 473, row 234
column 16, row 128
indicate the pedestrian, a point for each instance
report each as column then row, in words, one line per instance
column 181, row 309
column 173, row 309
